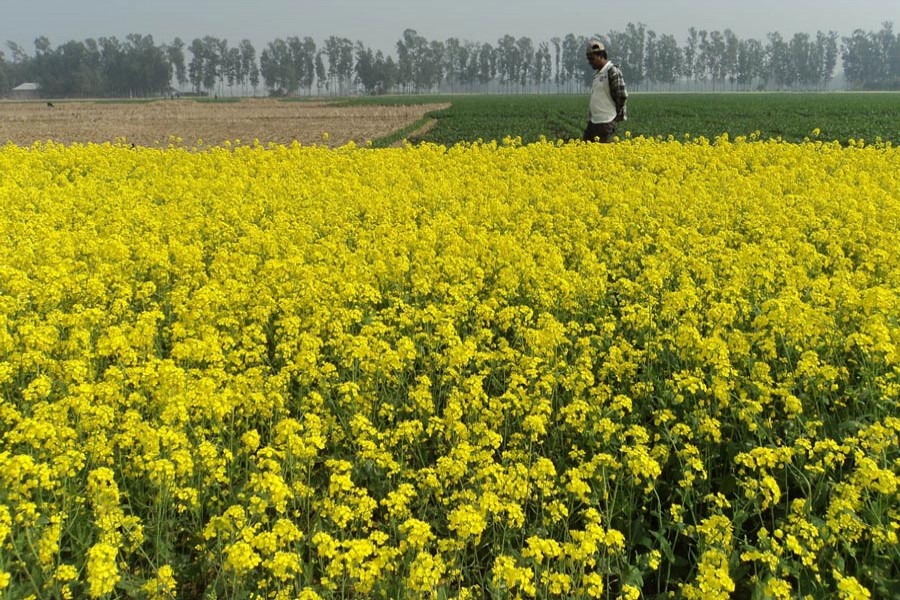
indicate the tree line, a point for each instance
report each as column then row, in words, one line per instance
column 705, row 60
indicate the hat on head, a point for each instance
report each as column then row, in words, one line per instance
column 595, row 46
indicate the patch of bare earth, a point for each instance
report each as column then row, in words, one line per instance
column 159, row 123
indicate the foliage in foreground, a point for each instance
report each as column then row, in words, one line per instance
column 515, row 371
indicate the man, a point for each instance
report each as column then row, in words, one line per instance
column 608, row 96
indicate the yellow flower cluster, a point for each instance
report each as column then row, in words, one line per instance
column 552, row 370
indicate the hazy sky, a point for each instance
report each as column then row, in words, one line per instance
column 380, row 23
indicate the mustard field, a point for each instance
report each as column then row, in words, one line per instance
column 637, row 370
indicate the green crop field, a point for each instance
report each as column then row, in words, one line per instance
column 792, row 117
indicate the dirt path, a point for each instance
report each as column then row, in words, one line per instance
column 418, row 133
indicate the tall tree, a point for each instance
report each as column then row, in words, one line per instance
column 345, row 63
column 404, row 59
column 716, row 59
column 196, row 64
column 308, row 63
column 507, row 62
column 860, row 58
column 626, row 50
column 276, row 64
column 220, row 50
column 432, row 67
column 690, row 54
column 804, row 68
column 573, row 56
column 248, row 64
column 750, row 63
column 411, row 51
column 455, row 61
column 543, row 65
column 175, row 55
column 376, row 74
column 828, row 54
column 885, row 43
column 388, row 70
column 525, row 60
column 112, row 60
column 83, row 73
column 19, row 66
column 470, row 67
column 487, row 64
column 58, row 66
column 669, row 60
column 206, row 67
column 234, row 73
column 636, row 36
column 320, row 70
column 704, row 60
column 872, row 59
column 778, row 61
column 365, row 68
column 297, row 64
column 147, row 66
column 651, row 57
column 730, row 60
column 301, row 62
column 557, row 61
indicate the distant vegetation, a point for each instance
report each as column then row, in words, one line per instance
column 705, row 61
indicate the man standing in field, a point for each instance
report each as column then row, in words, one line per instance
column 608, row 96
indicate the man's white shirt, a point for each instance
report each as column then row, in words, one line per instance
column 602, row 107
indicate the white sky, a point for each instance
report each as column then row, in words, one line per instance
column 380, row 23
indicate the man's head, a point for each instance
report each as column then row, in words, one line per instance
column 596, row 53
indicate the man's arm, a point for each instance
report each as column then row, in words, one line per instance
column 618, row 92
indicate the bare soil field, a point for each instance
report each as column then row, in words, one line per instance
column 184, row 122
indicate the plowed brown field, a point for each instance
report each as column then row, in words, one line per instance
column 158, row 123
